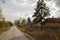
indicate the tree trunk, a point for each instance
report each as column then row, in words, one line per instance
column 41, row 17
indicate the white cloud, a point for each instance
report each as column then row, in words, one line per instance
column 21, row 4
column 14, row 1
column 19, row 8
column 53, row 9
column 33, row 4
column 25, row 0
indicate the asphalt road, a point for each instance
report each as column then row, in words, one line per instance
column 13, row 34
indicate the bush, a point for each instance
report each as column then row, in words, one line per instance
column 4, row 25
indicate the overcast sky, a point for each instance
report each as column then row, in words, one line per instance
column 14, row 9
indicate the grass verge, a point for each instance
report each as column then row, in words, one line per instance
column 39, row 34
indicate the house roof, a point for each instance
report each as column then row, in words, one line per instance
column 52, row 20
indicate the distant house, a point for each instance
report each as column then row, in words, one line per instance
column 52, row 22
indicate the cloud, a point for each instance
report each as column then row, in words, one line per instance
column 23, row 4
column 58, row 3
column 52, row 6
column 13, row 1
column 33, row 5
column 31, row 1
column 18, row 1
column 15, row 9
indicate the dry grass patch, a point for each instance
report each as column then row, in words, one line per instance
column 42, row 34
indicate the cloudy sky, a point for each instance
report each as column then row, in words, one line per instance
column 14, row 9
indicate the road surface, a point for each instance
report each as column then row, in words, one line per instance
column 13, row 34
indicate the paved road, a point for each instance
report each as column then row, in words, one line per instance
column 13, row 34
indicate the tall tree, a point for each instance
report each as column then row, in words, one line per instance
column 17, row 22
column 29, row 20
column 41, row 12
column 23, row 22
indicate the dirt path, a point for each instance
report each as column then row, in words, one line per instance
column 13, row 34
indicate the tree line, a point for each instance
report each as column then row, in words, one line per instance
column 41, row 12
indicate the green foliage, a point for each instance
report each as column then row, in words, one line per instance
column 4, row 24
column 29, row 20
column 10, row 23
column 17, row 22
column 23, row 22
column 20, row 23
column 41, row 12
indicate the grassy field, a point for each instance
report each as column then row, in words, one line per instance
column 42, row 34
